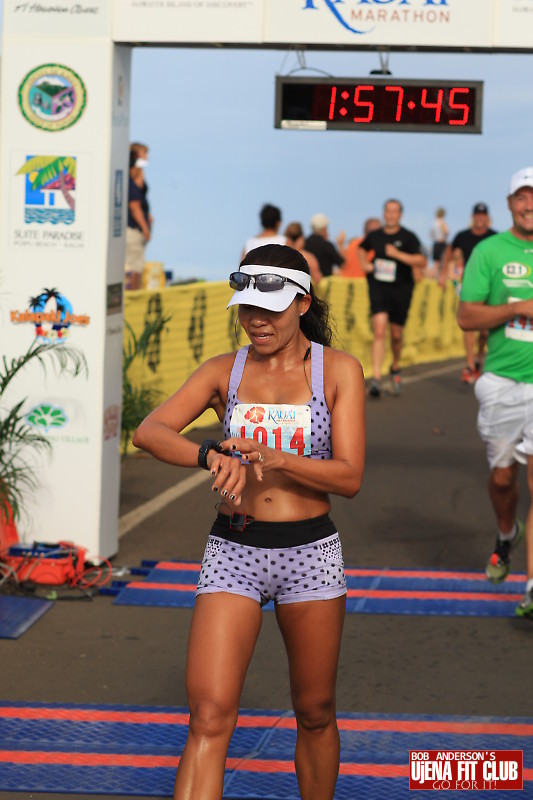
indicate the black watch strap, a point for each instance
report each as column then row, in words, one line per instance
column 205, row 447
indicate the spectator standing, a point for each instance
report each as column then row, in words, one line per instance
column 439, row 233
column 270, row 217
column 140, row 221
column 459, row 252
column 295, row 238
column 397, row 256
column 352, row 266
column 497, row 295
column 330, row 258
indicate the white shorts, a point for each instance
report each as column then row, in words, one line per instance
column 135, row 246
column 505, row 419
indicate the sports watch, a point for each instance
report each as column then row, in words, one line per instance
column 205, row 447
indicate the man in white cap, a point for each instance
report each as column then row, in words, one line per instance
column 330, row 258
column 497, row 295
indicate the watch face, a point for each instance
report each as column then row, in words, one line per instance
column 378, row 104
column 205, row 447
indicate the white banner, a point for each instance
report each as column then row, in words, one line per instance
column 224, row 21
column 58, row 19
column 360, row 23
column 440, row 24
column 513, row 24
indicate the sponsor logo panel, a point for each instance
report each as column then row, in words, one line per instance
column 111, row 422
column 361, row 17
column 51, row 316
column 466, row 770
column 115, row 298
column 61, row 420
column 46, row 210
column 118, row 202
column 49, row 191
column 52, row 97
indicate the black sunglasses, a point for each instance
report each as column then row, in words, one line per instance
column 264, row 282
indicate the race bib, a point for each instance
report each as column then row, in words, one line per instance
column 281, row 426
column 385, row 270
column 519, row 328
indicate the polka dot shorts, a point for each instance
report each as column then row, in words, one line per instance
column 312, row 571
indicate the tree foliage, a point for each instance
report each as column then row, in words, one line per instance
column 20, row 443
column 137, row 400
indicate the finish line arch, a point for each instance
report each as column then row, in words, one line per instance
column 64, row 146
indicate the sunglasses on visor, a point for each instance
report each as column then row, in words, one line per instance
column 265, row 282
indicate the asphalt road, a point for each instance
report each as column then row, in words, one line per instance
column 423, row 503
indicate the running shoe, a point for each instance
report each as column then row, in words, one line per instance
column 375, row 389
column 468, row 375
column 525, row 607
column 396, row 381
column 499, row 564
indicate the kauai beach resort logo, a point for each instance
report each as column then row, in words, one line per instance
column 52, row 316
column 46, row 417
column 356, row 15
column 49, row 191
column 52, row 97
column 51, row 417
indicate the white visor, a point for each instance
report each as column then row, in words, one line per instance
column 272, row 301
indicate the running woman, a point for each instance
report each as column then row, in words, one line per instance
column 292, row 409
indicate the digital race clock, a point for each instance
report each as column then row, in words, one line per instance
column 383, row 104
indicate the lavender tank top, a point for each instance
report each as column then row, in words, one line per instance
column 320, row 416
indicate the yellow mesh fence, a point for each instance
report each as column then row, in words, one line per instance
column 201, row 327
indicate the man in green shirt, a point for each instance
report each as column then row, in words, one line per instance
column 497, row 295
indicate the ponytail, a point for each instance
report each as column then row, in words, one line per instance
column 315, row 324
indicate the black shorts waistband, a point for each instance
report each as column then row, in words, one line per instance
column 257, row 533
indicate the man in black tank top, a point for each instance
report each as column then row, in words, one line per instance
column 397, row 261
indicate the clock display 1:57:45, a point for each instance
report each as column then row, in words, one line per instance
column 396, row 103
column 378, row 104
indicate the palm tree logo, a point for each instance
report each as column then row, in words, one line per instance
column 51, row 302
column 50, row 187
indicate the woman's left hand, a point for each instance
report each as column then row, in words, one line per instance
column 261, row 457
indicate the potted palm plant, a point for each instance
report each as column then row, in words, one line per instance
column 19, row 441
column 137, row 399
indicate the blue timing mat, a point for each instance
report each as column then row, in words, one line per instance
column 370, row 591
column 127, row 750
column 17, row 614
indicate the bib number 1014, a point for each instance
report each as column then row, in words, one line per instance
column 261, row 435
